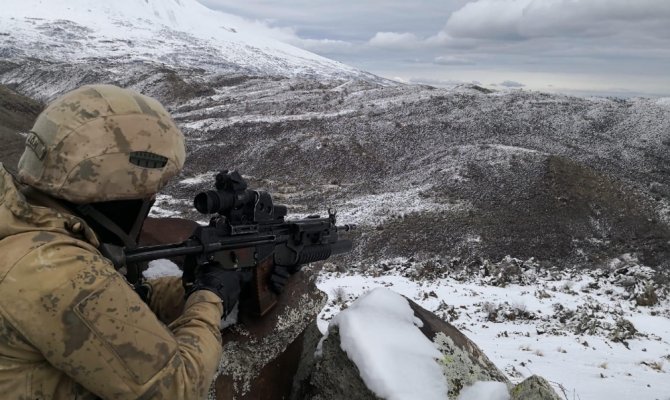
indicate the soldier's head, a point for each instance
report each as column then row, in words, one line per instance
column 105, row 151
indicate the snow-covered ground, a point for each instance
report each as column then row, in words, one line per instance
column 565, row 326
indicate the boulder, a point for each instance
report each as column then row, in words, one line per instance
column 332, row 375
column 534, row 388
column 463, row 363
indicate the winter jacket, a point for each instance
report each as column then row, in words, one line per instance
column 71, row 327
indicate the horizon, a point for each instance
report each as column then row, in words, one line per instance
column 613, row 48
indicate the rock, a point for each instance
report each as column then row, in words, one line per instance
column 624, row 330
column 463, row 363
column 505, row 272
column 648, row 297
column 534, row 388
column 334, row 376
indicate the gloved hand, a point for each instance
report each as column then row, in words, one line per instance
column 225, row 283
column 280, row 276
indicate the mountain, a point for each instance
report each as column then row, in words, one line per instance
column 180, row 33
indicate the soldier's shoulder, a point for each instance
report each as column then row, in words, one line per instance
column 50, row 259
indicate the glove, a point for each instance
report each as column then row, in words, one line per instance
column 225, row 283
column 280, row 276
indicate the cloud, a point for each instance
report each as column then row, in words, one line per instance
column 525, row 19
column 435, row 82
column 452, row 60
column 571, row 44
column 511, row 84
column 290, row 36
column 323, row 45
column 394, row 41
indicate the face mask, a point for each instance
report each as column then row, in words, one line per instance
column 117, row 222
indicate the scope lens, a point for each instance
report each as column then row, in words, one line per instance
column 206, row 202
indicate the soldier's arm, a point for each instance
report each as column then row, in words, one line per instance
column 88, row 322
column 166, row 298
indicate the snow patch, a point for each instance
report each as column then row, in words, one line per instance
column 376, row 208
column 198, row 179
column 485, row 391
column 161, row 268
column 397, row 362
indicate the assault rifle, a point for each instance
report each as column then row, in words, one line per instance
column 248, row 233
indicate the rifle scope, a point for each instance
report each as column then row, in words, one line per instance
column 233, row 200
column 218, row 201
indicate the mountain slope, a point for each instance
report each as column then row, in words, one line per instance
column 180, row 33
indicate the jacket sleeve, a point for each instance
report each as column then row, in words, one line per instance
column 88, row 322
column 166, row 298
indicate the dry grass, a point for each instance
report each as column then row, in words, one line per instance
column 655, row 365
column 339, row 295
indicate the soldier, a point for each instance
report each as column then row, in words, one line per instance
column 71, row 326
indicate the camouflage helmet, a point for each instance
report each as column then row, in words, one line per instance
column 102, row 143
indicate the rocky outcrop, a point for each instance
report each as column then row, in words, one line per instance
column 463, row 363
column 332, row 375
column 534, row 388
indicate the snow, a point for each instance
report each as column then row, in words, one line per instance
column 164, row 206
column 397, row 362
column 376, row 208
column 485, row 391
column 161, row 268
column 175, row 32
column 588, row 365
column 198, row 179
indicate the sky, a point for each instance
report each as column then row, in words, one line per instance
column 581, row 47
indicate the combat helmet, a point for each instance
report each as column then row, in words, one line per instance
column 102, row 143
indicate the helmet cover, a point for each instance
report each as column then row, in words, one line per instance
column 102, row 143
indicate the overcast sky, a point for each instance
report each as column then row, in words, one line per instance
column 606, row 47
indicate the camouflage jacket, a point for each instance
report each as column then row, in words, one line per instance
column 71, row 327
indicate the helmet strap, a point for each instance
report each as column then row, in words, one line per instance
column 89, row 212
column 129, row 239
